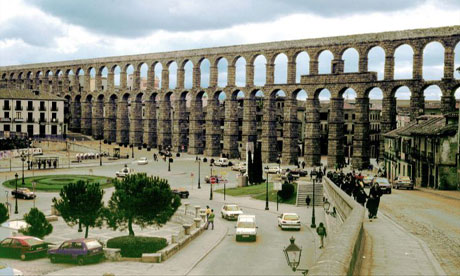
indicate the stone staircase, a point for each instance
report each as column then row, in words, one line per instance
column 305, row 188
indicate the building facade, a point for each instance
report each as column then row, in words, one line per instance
column 31, row 113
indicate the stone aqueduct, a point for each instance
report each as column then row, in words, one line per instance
column 88, row 107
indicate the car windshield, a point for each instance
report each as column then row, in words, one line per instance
column 291, row 217
column 404, row 179
column 232, row 208
column 246, row 224
column 33, row 241
column 25, row 190
column 382, row 181
column 93, row 244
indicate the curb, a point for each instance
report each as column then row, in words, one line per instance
column 434, row 262
column 207, row 252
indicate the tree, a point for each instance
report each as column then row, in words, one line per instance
column 81, row 202
column 257, row 165
column 3, row 213
column 38, row 225
column 142, row 200
column 250, row 168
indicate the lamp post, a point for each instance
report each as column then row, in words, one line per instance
column 35, row 196
column 23, row 159
column 28, row 153
column 199, row 172
column 169, row 164
column 293, row 253
column 266, row 189
column 210, row 182
column 313, row 225
column 100, row 152
column 132, row 150
column 16, row 194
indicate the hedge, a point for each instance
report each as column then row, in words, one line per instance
column 134, row 246
column 287, row 190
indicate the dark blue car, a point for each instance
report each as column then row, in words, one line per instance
column 79, row 251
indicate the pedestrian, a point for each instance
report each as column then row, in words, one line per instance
column 321, row 230
column 362, row 196
column 207, row 212
column 211, row 220
column 303, row 164
column 308, row 200
column 374, row 196
column 324, row 170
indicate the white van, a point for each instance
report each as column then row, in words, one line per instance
column 246, row 228
column 223, row 162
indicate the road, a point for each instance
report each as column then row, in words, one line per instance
column 433, row 218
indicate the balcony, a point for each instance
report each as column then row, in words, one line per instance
column 18, row 108
column 42, row 108
column 30, row 120
column 54, row 108
column 6, row 107
column 19, row 120
column 42, row 120
column 54, row 120
column 5, row 120
column 30, row 108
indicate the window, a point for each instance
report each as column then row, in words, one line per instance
column 53, row 106
column 18, row 105
column 346, row 116
column 54, row 130
column 30, row 117
column 18, row 115
column 42, row 106
column 30, row 105
column 353, row 116
column 6, row 105
column 18, row 128
column 53, row 116
column 42, row 117
column 7, row 115
column 6, row 128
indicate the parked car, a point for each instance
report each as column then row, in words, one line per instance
column 222, row 162
column 241, row 167
column 23, row 247
column 78, row 250
column 181, row 192
column 231, row 211
column 403, row 182
column 24, row 193
column 299, row 172
column 384, row 184
column 6, row 270
column 124, row 172
column 272, row 169
column 142, row 161
column 246, row 228
column 289, row 221
column 367, row 180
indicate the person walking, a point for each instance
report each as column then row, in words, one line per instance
column 375, row 193
column 211, row 220
column 321, row 230
column 308, row 200
column 207, row 212
column 303, row 164
column 361, row 196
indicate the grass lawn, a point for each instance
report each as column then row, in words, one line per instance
column 258, row 192
column 54, row 183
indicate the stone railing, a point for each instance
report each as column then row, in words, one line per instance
column 341, row 255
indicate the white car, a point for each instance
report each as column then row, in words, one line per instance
column 289, row 221
column 124, row 172
column 142, row 161
column 241, row 167
column 231, row 211
column 272, row 169
column 222, row 162
column 246, row 228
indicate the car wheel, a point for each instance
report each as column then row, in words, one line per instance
column 23, row 257
column 389, row 191
column 222, row 215
column 80, row 261
column 53, row 259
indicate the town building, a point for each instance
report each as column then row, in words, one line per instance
column 426, row 150
column 31, row 113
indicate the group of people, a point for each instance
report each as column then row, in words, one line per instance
column 352, row 184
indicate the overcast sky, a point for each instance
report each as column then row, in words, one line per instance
column 52, row 30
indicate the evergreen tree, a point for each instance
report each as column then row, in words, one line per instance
column 257, row 165
column 38, row 225
column 3, row 213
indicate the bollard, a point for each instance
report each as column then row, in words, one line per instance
column 197, row 222
column 186, row 204
column 197, row 211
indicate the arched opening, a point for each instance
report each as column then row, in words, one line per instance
column 188, row 74
column 403, row 110
column 144, row 72
column 205, row 73
column 376, row 61
column 172, row 67
column 104, row 73
column 324, row 62
column 457, row 61
column 49, row 81
column 375, row 114
column 240, row 72
column 129, row 69
column 116, row 70
column 157, row 75
column 324, row 96
column 92, row 80
column 81, row 79
column 281, row 63
column 403, row 58
column 433, row 96
column 433, row 61
column 457, row 96
column 349, row 113
column 302, row 65
column 351, row 60
column 301, row 97
column 222, row 72
column 260, row 70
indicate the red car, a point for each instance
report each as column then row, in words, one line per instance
column 23, row 247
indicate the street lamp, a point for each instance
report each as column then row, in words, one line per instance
column 132, row 150
column 199, row 172
column 23, row 159
column 266, row 189
column 33, row 185
column 313, row 225
column 293, row 253
column 16, row 194
column 169, row 164
column 28, row 152
column 210, row 182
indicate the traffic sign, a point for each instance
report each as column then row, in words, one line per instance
column 212, row 180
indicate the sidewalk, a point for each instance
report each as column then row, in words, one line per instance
column 447, row 194
column 390, row 250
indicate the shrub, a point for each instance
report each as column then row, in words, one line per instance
column 134, row 246
column 38, row 225
column 3, row 213
column 287, row 190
